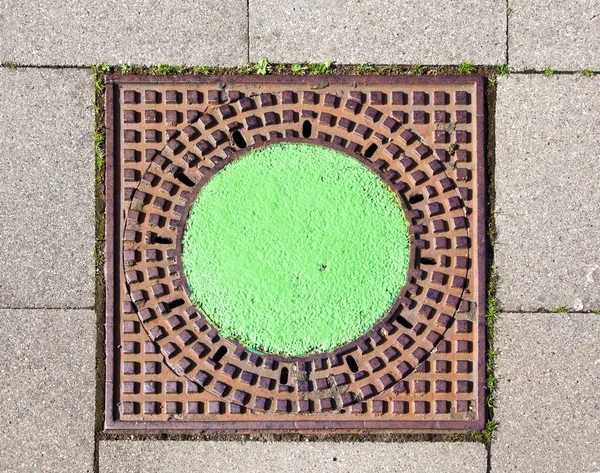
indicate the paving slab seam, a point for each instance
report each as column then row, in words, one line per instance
column 248, row 30
column 46, row 308
column 100, row 258
column 258, row 437
column 506, row 32
column 551, row 312
column 555, row 72
column 14, row 65
column 490, row 322
column 428, row 68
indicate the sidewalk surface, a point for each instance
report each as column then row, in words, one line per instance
column 547, row 214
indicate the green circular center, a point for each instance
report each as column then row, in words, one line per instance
column 295, row 249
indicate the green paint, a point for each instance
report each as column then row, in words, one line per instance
column 295, row 249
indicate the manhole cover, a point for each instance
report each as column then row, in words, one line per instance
column 295, row 253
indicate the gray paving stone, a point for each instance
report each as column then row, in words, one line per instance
column 73, row 32
column 355, row 31
column 548, row 404
column 556, row 34
column 47, row 385
column 547, row 192
column 292, row 457
column 47, row 188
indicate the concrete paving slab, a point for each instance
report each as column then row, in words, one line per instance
column 292, row 457
column 355, row 31
column 548, row 404
column 47, row 188
column 547, row 192
column 554, row 34
column 137, row 32
column 47, row 386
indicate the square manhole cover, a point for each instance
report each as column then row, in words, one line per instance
column 295, row 254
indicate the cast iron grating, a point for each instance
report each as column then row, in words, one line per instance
column 421, row 367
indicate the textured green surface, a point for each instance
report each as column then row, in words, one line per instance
column 295, row 249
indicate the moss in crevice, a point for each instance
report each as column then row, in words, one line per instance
column 492, row 303
column 264, row 67
column 99, row 252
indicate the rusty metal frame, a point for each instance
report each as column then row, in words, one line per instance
column 114, row 248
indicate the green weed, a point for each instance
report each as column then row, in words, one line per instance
column 98, row 257
column 168, row 70
column 321, row 68
column 490, row 361
column 99, row 148
column 588, row 73
column 299, row 69
column 206, row 70
column 280, row 68
column 502, row 70
column 452, row 149
column 99, row 82
column 466, row 68
column 249, row 69
column 561, row 310
column 101, row 228
column 491, row 315
column 490, row 383
column 203, row 70
column 366, row 69
column 126, row 69
column 493, row 307
column 492, row 235
column 549, row 72
column 262, row 67
column 488, row 434
column 102, row 68
column 99, row 70
column 418, row 69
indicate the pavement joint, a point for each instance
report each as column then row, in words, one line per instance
column 248, row 30
column 506, row 32
column 2, row 307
